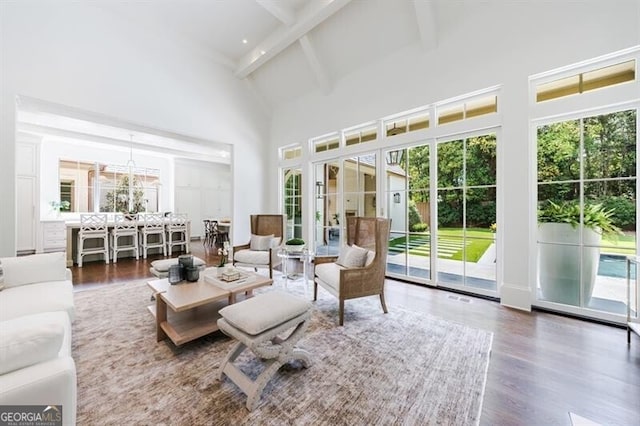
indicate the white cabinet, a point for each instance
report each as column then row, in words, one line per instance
column 27, row 151
column 202, row 190
column 26, row 207
column 54, row 236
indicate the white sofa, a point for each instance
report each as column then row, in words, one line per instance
column 36, row 311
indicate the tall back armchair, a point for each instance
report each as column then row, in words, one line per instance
column 360, row 269
column 267, row 233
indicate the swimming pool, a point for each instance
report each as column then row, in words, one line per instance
column 614, row 265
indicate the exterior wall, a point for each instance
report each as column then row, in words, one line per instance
column 480, row 45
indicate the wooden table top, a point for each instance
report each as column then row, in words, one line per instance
column 187, row 295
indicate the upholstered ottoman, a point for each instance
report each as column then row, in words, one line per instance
column 256, row 324
column 160, row 268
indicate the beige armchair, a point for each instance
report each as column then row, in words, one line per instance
column 261, row 251
column 350, row 282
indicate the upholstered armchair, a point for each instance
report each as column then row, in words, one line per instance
column 360, row 269
column 267, row 232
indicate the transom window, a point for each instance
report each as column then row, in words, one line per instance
column 354, row 137
column 468, row 109
column 291, row 153
column 407, row 124
column 327, row 144
column 586, row 81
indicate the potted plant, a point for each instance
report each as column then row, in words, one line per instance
column 294, row 245
column 59, row 206
column 561, row 257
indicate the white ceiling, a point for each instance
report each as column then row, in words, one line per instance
column 320, row 40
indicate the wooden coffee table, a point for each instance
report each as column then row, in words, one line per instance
column 187, row 311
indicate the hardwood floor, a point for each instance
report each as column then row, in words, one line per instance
column 542, row 366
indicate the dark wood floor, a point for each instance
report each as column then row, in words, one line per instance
column 542, row 367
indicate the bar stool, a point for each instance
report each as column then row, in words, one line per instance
column 176, row 229
column 93, row 227
column 152, row 224
column 125, row 226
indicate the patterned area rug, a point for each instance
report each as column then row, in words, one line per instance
column 399, row 368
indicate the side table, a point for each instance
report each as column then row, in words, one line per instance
column 304, row 256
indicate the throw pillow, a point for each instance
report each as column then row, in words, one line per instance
column 24, row 342
column 352, row 256
column 260, row 242
column 34, row 269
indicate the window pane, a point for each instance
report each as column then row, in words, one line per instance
column 451, row 114
column 558, row 88
column 609, row 76
column 396, row 127
column 483, row 106
column 450, row 164
column 481, row 160
column 418, row 122
column 419, row 167
column 558, row 151
column 610, row 145
column 619, row 198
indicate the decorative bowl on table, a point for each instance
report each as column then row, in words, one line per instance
column 294, row 245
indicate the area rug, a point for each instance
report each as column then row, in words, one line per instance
column 400, row 368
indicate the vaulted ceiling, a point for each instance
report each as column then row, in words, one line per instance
column 286, row 48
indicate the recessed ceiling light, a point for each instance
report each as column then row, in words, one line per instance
column 244, row 41
column 262, row 52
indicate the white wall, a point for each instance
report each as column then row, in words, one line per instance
column 78, row 55
column 480, row 44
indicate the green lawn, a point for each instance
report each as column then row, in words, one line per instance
column 622, row 244
column 478, row 241
column 451, row 244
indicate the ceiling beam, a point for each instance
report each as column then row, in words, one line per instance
column 284, row 14
column 426, row 17
column 318, row 70
column 278, row 41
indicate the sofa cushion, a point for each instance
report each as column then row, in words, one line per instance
column 30, row 299
column 34, row 269
column 352, row 256
column 29, row 340
column 163, row 265
column 265, row 311
column 251, row 257
column 329, row 273
column 261, row 242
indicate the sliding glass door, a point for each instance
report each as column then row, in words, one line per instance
column 587, row 201
column 466, row 243
column 459, row 175
column 407, row 181
column 344, row 187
